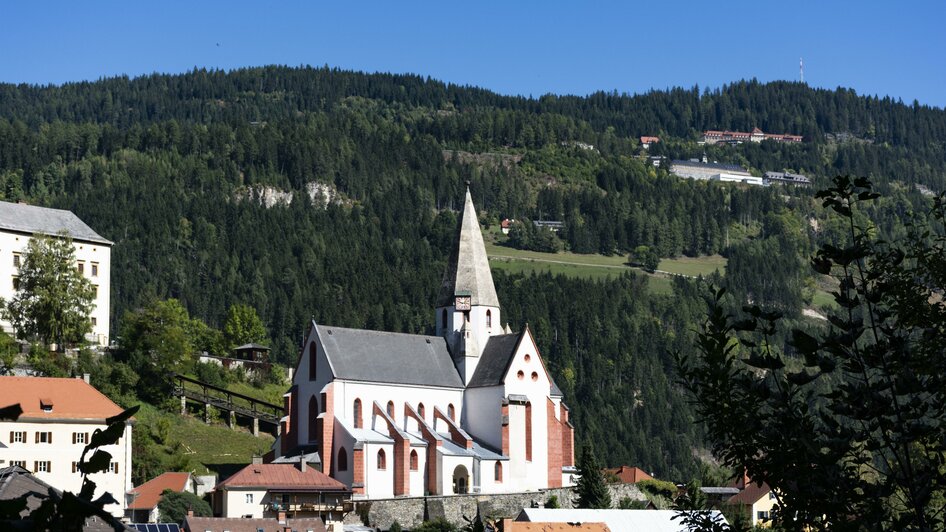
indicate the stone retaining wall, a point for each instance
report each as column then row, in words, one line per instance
column 410, row 512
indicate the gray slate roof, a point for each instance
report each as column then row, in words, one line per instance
column 468, row 267
column 495, row 360
column 395, row 358
column 30, row 219
column 711, row 166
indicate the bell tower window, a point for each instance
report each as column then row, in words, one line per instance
column 489, row 318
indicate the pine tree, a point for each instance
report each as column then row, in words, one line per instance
column 592, row 491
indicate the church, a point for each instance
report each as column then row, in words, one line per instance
column 470, row 410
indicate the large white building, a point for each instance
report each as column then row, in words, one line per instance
column 470, row 410
column 59, row 417
column 18, row 224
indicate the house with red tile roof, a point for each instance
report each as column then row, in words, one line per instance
column 142, row 501
column 628, row 474
column 59, row 417
column 647, row 141
column 294, row 490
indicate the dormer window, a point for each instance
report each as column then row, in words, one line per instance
column 46, row 405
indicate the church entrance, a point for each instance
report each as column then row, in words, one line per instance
column 461, row 480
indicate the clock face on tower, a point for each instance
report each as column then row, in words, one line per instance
column 463, row 302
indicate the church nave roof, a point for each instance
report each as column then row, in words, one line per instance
column 393, row 358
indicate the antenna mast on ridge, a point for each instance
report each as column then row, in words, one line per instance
column 801, row 69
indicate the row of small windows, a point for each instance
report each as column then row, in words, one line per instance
column 421, row 411
column 80, row 265
column 413, row 463
column 95, row 288
column 45, row 466
column 20, row 436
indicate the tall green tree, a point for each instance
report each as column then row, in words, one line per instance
column 156, row 341
column 53, row 300
column 849, row 427
column 243, row 326
column 173, row 506
column 592, row 490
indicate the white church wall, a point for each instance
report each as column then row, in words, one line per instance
column 416, row 483
column 379, row 483
column 482, row 415
column 343, row 440
column 307, row 388
column 527, row 376
column 346, row 392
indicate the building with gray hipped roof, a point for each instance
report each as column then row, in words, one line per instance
column 471, row 409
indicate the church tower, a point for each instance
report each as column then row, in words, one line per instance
column 467, row 307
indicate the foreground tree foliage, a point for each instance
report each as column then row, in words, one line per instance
column 53, row 299
column 848, row 426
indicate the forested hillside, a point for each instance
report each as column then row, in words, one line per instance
column 170, row 168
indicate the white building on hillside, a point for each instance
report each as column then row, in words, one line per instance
column 18, row 224
column 470, row 410
column 59, row 417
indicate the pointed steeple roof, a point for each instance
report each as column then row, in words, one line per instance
column 468, row 268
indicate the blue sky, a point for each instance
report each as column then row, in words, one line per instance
column 527, row 47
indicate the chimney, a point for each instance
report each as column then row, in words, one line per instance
column 302, row 465
column 281, row 517
column 86, row 377
column 257, row 459
column 506, row 525
column 190, row 513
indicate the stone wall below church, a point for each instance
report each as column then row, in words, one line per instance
column 410, row 512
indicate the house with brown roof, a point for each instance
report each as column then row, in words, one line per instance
column 294, row 490
column 59, row 417
column 756, row 501
column 142, row 501
column 508, row 525
column 226, row 524
column 627, row 474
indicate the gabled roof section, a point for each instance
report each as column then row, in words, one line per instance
column 395, row 358
column 751, row 494
column 282, row 476
column 497, row 357
column 29, row 219
column 495, row 360
column 70, row 399
column 468, row 267
column 147, row 495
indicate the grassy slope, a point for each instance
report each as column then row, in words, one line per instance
column 212, row 447
column 593, row 266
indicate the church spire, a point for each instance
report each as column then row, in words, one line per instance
column 468, row 271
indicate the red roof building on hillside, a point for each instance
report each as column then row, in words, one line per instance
column 629, row 475
column 47, row 398
column 143, row 500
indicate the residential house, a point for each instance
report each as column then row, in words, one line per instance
column 273, row 524
column 59, row 417
column 19, row 223
column 756, row 501
column 647, row 141
column 17, row 482
column 737, row 137
column 508, row 525
column 615, row 520
column 627, row 474
column 787, row 178
column 271, row 490
column 142, row 501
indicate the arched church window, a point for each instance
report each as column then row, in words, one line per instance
column 498, row 472
column 324, row 402
column 443, row 318
column 391, row 409
column 451, row 412
column 357, row 413
column 342, row 464
column 420, row 410
column 312, row 365
column 489, row 318
column 413, row 460
column 382, row 461
column 313, row 418
column 528, row 432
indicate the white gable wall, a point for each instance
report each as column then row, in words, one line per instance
column 534, row 384
column 482, row 414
